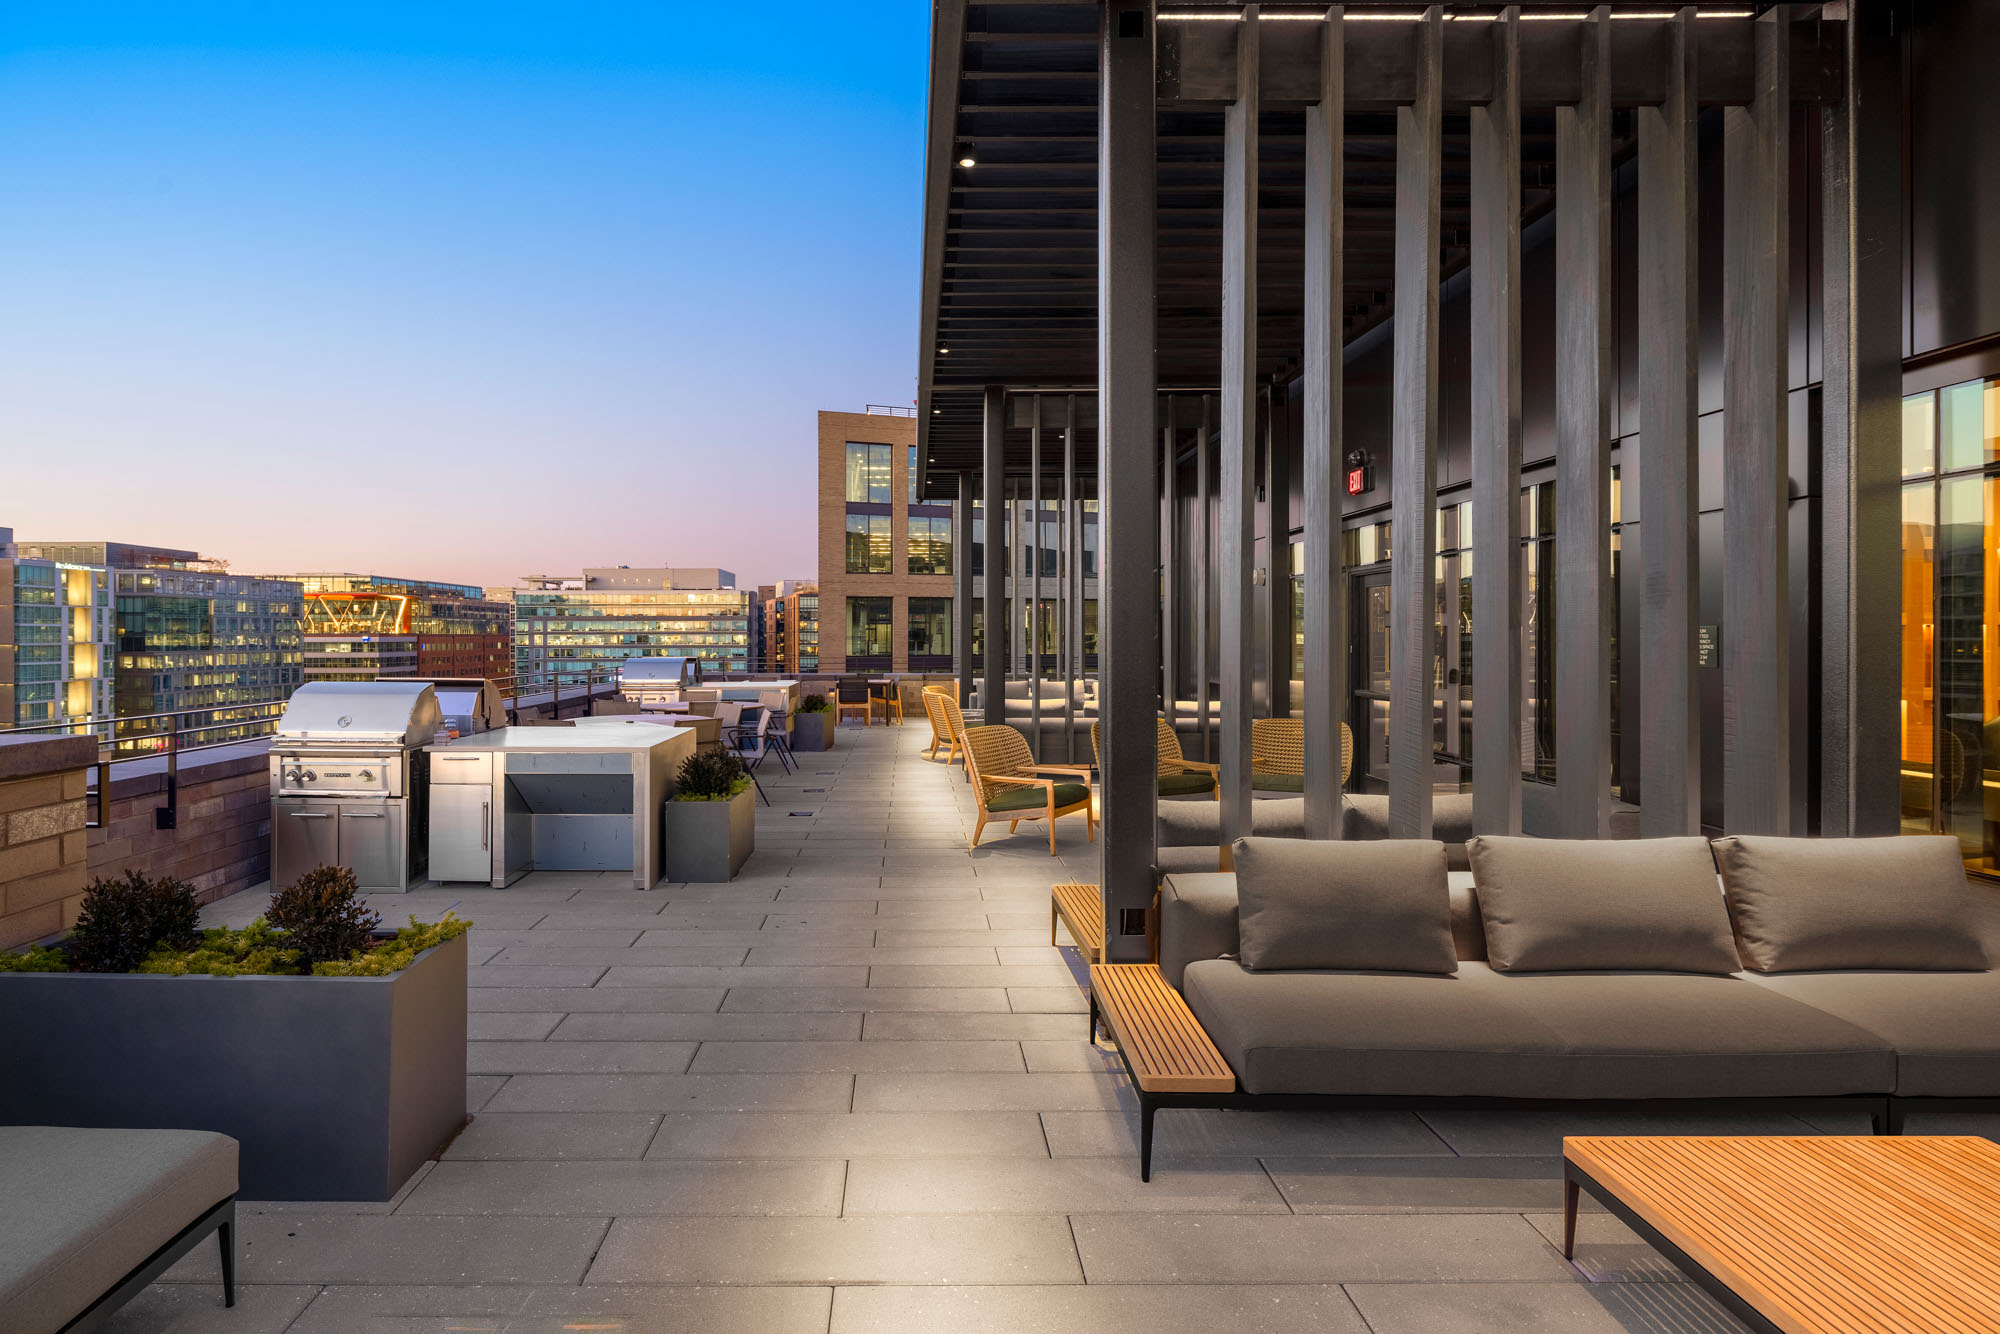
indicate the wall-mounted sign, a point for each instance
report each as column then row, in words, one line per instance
column 1360, row 477
column 1708, row 646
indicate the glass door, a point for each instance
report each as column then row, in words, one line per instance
column 1368, row 671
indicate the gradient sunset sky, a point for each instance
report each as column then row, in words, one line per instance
column 450, row 291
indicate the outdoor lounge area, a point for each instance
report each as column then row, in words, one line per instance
column 853, row 1090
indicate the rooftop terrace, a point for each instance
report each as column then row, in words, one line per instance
column 851, row 1091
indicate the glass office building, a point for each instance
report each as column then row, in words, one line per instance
column 569, row 626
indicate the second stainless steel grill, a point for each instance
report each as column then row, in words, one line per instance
column 349, row 781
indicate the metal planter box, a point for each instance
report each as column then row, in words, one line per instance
column 813, row 731
column 708, row 841
column 335, row 1087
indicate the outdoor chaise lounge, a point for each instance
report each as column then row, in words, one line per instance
column 88, row 1218
column 1833, row 971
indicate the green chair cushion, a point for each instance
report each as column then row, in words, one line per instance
column 1186, row 782
column 1270, row 782
column 1015, row 797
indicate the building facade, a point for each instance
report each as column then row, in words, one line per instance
column 55, row 640
column 791, row 626
column 571, row 625
column 361, row 627
column 221, row 651
column 885, row 560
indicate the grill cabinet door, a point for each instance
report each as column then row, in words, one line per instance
column 461, row 832
column 371, row 844
column 303, row 835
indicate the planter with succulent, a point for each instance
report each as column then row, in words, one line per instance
column 333, row 1051
column 710, row 824
column 812, row 726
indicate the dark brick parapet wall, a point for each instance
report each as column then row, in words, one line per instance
column 222, row 842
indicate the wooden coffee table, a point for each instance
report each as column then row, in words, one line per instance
column 1832, row 1235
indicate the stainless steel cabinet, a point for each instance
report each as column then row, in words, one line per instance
column 304, row 834
column 366, row 837
column 371, row 842
column 461, row 832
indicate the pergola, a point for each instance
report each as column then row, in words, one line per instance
column 1144, row 219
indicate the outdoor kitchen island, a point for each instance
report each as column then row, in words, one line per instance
column 585, row 798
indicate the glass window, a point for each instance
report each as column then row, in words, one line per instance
column 868, row 544
column 1968, row 424
column 870, row 627
column 1919, row 736
column 930, row 546
column 1919, row 434
column 1967, row 680
column 868, row 473
column 930, row 628
column 913, row 474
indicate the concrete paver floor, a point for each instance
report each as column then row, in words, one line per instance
column 851, row 1091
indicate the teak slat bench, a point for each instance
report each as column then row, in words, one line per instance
column 1160, row 1040
column 1080, row 908
column 1822, row 1235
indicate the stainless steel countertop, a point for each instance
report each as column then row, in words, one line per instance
column 600, row 736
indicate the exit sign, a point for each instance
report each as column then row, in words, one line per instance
column 1358, row 481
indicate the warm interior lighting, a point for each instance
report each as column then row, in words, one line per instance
column 965, row 157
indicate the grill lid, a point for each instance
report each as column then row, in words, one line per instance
column 396, row 713
column 642, row 672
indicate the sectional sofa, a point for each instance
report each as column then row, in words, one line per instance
column 1771, row 970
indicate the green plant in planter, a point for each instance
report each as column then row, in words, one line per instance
column 255, row 950
column 121, row 921
column 711, row 775
column 34, row 959
column 395, row 955
column 814, row 704
column 322, row 916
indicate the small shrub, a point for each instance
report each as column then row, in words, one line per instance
column 393, row 956
column 814, row 704
column 255, row 950
column 121, row 921
column 711, row 775
column 321, row 916
column 35, row 959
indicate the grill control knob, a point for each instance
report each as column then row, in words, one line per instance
column 367, row 776
column 311, row 776
column 293, row 775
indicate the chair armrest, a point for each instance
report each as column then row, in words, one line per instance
column 1080, row 769
column 1016, row 778
column 1214, row 769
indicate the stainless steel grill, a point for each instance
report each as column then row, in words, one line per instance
column 656, row 681
column 349, row 781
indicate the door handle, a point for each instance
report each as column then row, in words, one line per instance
column 310, row 815
column 361, row 815
column 485, row 825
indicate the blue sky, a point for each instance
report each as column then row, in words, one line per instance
column 448, row 291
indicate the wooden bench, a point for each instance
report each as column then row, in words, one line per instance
column 1080, row 908
column 1163, row 1045
column 1829, row 1234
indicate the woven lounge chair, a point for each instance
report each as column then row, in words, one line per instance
column 955, row 721
column 941, row 733
column 1178, row 776
column 1012, row 787
column 1278, row 754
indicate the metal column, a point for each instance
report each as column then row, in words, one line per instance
column 1034, row 547
column 993, row 489
column 961, row 583
column 1325, row 685
column 1201, row 572
column 1169, row 582
column 1583, row 444
column 1277, row 484
column 1756, row 606
column 1128, row 498
column 1860, row 433
column 1496, row 441
column 1065, row 593
column 1014, row 548
column 1669, row 491
column 1413, row 438
column 1239, row 424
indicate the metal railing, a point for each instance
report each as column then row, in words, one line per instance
column 177, row 733
column 887, row 410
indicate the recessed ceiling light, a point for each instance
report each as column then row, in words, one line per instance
column 965, row 157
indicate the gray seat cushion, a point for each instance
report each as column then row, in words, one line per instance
column 1809, row 904
column 1187, row 824
column 1323, row 903
column 81, row 1209
column 1197, row 920
column 1945, row 1027
column 1451, row 821
column 1567, row 904
column 1681, row 1035
column 1396, row 1034
column 1182, row 861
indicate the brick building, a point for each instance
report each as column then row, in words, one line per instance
column 885, row 560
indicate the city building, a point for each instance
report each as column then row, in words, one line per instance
column 571, row 625
column 887, row 556
column 220, row 652
column 791, row 626
column 359, row 627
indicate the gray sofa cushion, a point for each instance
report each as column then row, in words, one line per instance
column 1311, row 903
column 1944, row 1027
column 1801, row 904
column 1468, row 933
column 1187, row 860
column 80, row 1209
column 1680, row 1035
column 1197, row 921
column 1187, row 824
column 1367, row 817
column 1572, row 904
column 1407, row 1034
